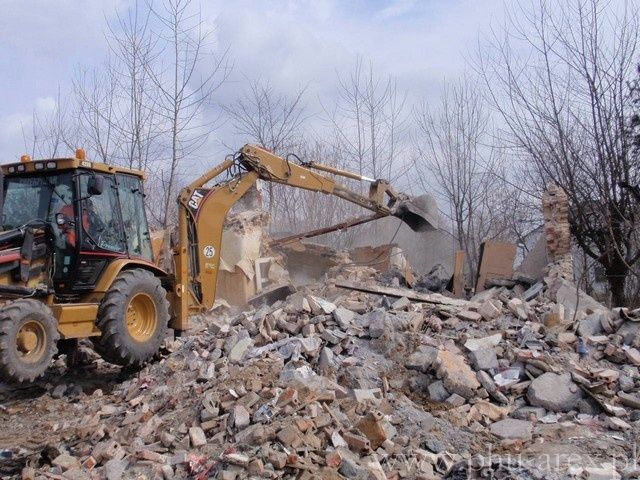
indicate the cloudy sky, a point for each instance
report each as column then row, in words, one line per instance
column 290, row 43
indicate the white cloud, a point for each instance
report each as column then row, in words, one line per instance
column 396, row 9
column 45, row 105
column 14, row 127
column 291, row 43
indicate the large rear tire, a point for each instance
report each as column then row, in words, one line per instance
column 133, row 318
column 28, row 340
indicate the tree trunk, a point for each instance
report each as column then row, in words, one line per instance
column 617, row 272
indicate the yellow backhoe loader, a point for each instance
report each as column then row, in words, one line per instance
column 76, row 258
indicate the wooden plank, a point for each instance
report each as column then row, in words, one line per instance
column 434, row 298
column 458, row 274
column 496, row 261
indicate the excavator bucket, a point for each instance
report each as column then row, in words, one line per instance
column 420, row 213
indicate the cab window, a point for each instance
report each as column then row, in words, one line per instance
column 42, row 198
column 134, row 218
column 33, row 199
column 100, row 224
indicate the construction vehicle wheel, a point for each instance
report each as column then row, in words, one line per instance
column 28, row 340
column 133, row 318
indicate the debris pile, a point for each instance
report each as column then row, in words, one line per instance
column 309, row 262
column 352, row 379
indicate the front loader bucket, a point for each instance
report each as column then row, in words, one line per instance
column 420, row 213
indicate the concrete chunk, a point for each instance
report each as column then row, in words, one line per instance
column 401, row 304
column 469, row 316
column 197, row 437
column 554, row 392
column 241, row 417
column 485, row 359
column 66, row 461
column 378, row 324
column 457, row 376
column 526, row 413
column 490, row 309
column 590, row 325
column 239, row 350
column 512, row 429
column 489, row 385
column 422, row 359
column 616, row 424
column 484, row 343
column 320, row 305
column 114, row 469
column 601, row 473
column 437, row 392
column 629, row 400
column 518, row 308
column 455, row 400
column 343, row 317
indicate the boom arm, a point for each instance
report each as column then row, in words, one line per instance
column 202, row 212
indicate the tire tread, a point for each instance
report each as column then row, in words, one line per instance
column 115, row 344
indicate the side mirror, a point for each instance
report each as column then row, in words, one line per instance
column 95, row 185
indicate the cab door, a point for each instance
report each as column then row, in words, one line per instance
column 134, row 218
column 99, row 226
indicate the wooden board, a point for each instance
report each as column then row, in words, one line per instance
column 496, row 261
column 458, row 274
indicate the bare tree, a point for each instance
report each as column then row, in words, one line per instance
column 369, row 121
column 49, row 131
column 270, row 119
column 453, row 146
column 145, row 106
column 189, row 74
column 95, row 94
column 273, row 121
column 115, row 102
column 558, row 77
column 135, row 100
column 369, row 134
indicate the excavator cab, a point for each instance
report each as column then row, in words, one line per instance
column 86, row 218
column 76, row 261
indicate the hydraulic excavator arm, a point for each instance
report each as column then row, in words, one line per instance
column 202, row 211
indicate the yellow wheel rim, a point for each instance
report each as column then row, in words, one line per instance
column 31, row 341
column 141, row 317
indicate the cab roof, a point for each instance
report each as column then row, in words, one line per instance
column 26, row 165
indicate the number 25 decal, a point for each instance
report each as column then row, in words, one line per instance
column 209, row 251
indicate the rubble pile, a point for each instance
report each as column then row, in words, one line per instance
column 336, row 383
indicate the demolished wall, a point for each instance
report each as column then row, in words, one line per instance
column 423, row 250
column 557, row 230
column 247, row 264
